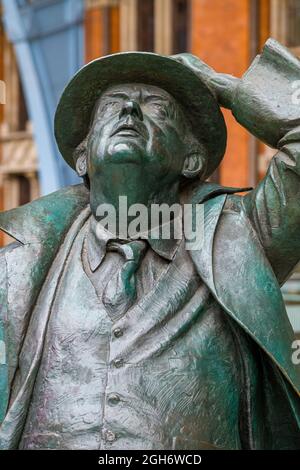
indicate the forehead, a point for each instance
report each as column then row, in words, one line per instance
column 139, row 91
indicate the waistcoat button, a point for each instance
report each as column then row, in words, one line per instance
column 118, row 333
column 109, row 436
column 113, row 399
column 118, row 362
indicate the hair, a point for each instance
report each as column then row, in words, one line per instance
column 191, row 142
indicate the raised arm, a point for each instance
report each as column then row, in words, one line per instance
column 274, row 207
column 264, row 101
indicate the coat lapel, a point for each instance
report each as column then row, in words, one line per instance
column 39, row 227
column 32, row 346
column 234, row 267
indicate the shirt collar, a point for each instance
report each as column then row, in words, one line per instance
column 98, row 237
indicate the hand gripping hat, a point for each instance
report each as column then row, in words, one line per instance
column 74, row 110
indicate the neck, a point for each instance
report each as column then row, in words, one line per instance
column 125, row 191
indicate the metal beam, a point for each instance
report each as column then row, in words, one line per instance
column 163, row 26
column 128, row 13
column 36, row 31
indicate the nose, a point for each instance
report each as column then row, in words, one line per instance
column 131, row 108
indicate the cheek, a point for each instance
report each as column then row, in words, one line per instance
column 98, row 143
column 167, row 145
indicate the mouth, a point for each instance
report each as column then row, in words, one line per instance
column 127, row 130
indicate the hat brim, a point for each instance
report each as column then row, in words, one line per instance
column 74, row 110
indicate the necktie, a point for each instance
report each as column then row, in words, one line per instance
column 120, row 291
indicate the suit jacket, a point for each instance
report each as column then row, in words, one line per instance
column 232, row 263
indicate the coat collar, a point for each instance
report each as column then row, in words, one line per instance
column 97, row 239
column 47, row 219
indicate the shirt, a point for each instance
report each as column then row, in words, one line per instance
column 147, row 380
column 96, row 251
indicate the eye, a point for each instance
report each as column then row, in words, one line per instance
column 110, row 106
column 159, row 108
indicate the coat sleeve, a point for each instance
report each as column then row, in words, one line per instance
column 273, row 207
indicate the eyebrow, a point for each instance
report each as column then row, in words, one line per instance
column 117, row 94
column 156, row 97
column 121, row 94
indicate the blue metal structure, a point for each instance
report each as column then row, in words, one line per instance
column 48, row 40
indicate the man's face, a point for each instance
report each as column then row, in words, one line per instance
column 138, row 125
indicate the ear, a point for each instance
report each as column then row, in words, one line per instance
column 80, row 158
column 81, row 165
column 194, row 165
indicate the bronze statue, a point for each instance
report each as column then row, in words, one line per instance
column 115, row 343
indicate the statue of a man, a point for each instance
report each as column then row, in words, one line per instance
column 111, row 342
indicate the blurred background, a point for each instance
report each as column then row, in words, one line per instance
column 44, row 42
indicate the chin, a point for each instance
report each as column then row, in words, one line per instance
column 125, row 152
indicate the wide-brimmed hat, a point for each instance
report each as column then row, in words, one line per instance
column 74, row 110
